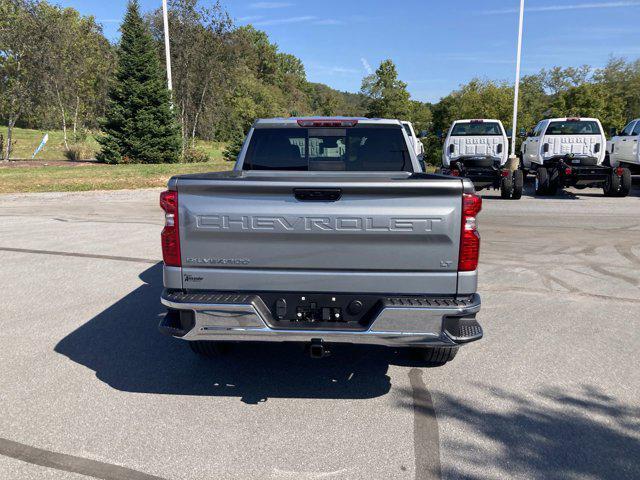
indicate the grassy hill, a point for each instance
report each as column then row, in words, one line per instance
column 61, row 176
column 27, row 140
column 97, row 176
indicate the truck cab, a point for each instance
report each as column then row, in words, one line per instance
column 418, row 147
column 478, row 149
column 570, row 152
column 623, row 149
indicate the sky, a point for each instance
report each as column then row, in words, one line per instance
column 437, row 45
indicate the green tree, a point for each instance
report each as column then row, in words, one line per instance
column 387, row 96
column 420, row 116
column 534, row 101
column 481, row 99
column 22, row 80
column 621, row 81
column 139, row 126
column 590, row 100
column 76, row 58
column 199, row 53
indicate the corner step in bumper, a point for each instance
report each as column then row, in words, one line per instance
column 463, row 330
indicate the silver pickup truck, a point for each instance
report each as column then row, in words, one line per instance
column 326, row 231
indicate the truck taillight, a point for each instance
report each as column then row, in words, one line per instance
column 469, row 237
column 170, row 235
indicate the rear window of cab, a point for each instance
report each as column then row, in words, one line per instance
column 358, row 149
column 573, row 127
column 476, row 129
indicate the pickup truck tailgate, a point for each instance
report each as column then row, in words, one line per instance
column 481, row 145
column 351, row 233
column 580, row 145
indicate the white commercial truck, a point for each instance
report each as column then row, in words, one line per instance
column 624, row 152
column 570, row 152
column 418, row 147
column 479, row 149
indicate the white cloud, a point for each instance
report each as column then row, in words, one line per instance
column 574, row 6
column 329, row 21
column 250, row 18
column 282, row 21
column 331, row 70
column 366, row 66
column 270, row 5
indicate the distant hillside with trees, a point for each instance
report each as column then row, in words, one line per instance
column 57, row 70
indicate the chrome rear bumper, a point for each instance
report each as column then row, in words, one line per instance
column 401, row 321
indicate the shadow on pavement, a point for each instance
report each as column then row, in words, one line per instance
column 123, row 346
column 530, row 191
column 554, row 434
column 563, row 194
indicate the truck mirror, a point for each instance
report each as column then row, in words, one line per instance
column 613, row 132
column 509, row 133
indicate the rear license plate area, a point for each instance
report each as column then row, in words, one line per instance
column 321, row 311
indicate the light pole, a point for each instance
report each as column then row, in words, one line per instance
column 517, row 84
column 167, row 50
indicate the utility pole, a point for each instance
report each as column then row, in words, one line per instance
column 517, row 84
column 167, row 50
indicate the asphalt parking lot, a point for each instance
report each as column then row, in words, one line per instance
column 89, row 388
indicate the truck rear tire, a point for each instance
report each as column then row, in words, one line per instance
column 435, row 356
column 611, row 185
column 506, row 187
column 542, row 181
column 625, row 183
column 209, row 349
column 518, row 184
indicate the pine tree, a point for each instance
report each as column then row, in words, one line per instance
column 139, row 125
column 234, row 147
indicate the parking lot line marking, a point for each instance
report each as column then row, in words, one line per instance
column 82, row 255
column 426, row 439
column 70, row 463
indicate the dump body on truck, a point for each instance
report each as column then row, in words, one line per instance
column 326, row 231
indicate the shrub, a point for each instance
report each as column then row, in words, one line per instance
column 194, row 155
column 77, row 152
column 232, row 151
column 433, row 150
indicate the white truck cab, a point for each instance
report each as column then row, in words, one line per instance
column 418, row 147
column 564, row 152
column 479, row 149
column 623, row 149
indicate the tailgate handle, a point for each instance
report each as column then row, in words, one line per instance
column 317, row 195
